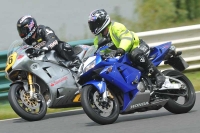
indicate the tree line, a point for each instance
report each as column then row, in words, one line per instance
column 159, row 14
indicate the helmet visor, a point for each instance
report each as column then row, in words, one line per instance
column 23, row 31
column 93, row 26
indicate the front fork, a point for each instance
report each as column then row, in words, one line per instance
column 31, row 85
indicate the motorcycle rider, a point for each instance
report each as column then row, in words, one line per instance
column 43, row 37
column 122, row 40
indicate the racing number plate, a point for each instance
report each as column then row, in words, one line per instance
column 10, row 61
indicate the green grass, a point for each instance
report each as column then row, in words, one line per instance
column 6, row 111
column 195, row 79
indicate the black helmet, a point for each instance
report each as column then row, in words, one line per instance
column 98, row 20
column 26, row 27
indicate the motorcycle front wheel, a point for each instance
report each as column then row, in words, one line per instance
column 30, row 110
column 101, row 112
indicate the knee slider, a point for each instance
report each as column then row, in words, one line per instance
column 138, row 57
column 134, row 54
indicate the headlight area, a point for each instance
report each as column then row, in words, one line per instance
column 17, row 75
column 90, row 66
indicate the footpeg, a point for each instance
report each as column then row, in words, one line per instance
column 168, row 85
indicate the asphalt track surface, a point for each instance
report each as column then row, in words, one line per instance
column 160, row 121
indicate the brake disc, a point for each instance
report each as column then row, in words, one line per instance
column 30, row 103
column 98, row 103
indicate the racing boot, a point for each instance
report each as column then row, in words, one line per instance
column 160, row 78
column 140, row 59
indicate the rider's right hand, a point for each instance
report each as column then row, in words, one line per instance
column 120, row 52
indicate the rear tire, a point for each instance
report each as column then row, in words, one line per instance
column 94, row 108
column 38, row 110
column 174, row 107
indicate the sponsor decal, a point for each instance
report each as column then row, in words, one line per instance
column 142, row 59
column 143, row 48
column 53, row 44
column 58, row 81
column 20, row 56
column 49, row 31
column 41, row 44
column 23, row 47
column 23, row 18
column 85, row 47
column 139, row 105
column 165, row 47
column 39, row 40
column 100, row 85
column 34, row 66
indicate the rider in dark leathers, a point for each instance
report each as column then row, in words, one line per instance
column 43, row 37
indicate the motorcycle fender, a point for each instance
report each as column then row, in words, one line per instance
column 25, row 84
column 100, row 85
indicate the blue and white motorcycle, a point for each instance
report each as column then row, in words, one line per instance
column 113, row 86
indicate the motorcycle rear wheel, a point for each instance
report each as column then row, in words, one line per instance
column 100, row 112
column 189, row 100
column 30, row 110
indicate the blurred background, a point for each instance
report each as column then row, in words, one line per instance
column 69, row 18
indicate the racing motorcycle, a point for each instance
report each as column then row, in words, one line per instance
column 41, row 80
column 113, row 85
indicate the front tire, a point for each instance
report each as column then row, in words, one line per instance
column 97, row 110
column 30, row 110
column 189, row 100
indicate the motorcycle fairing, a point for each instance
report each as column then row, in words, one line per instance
column 125, row 77
column 139, row 98
column 121, row 75
column 141, row 102
column 158, row 53
column 49, row 72
column 100, row 85
column 125, row 59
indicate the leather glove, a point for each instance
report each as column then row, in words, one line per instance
column 119, row 52
column 34, row 52
column 76, row 62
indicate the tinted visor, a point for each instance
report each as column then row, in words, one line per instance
column 93, row 25
column 23, row 31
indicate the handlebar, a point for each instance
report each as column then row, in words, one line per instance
column 33, row 52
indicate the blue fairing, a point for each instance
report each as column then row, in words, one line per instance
column 158, row 53
column 98, row 59
column 121, row 74
column 100, row 85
